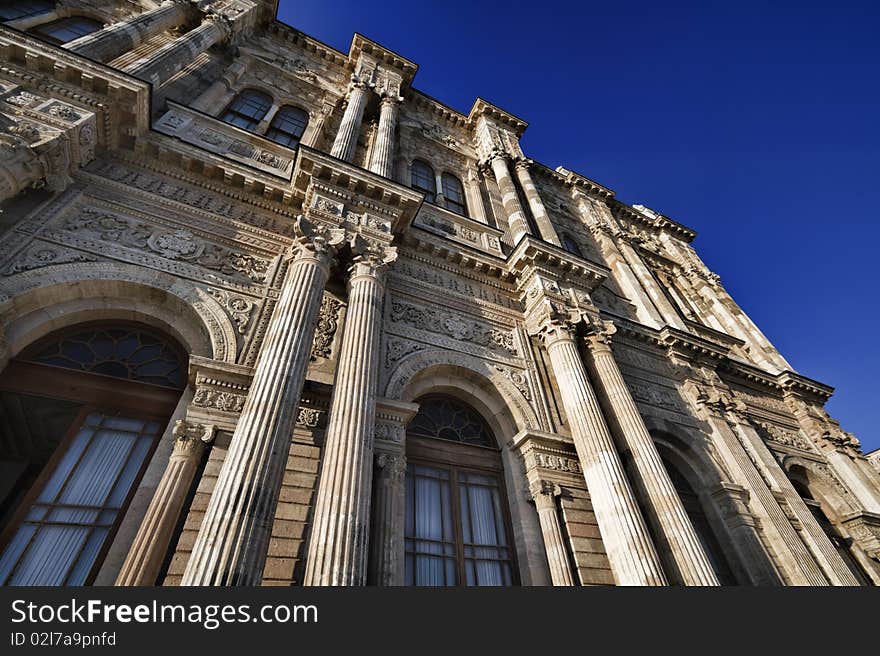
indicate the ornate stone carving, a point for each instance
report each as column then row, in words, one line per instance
column 40, row 255
column 390, row 431
column 452, row 325
column 557, row 463
column 206, row 397
column 309, row 417
column 518, row 378
column 190, row 437
column 782, row 436
column 238, row 307
column 171, row 244
column 325, row 331
column 395, row 349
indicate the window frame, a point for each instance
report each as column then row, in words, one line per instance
column 229, row 109
column 457, row 457
column 277, row 116
column 446, row 175
column 48, row 4
column 429, row 193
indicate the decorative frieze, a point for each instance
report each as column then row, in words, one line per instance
column 452, row 325
column 40, row 254
column 460, row 229
column 783, row 436
column 325, row 331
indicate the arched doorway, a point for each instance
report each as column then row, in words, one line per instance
column 457, row 528
column 81, row 411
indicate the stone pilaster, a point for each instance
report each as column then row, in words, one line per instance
column 386, row 540
column 539, row 211
column 516, row 218
column 121, row 37
column 631, row 552
column 382, row 160
column 150, row 545
column 349, row 130
column 231, row 545
column 171, row 58
column 340, row 526
column 664, row 507
column 544, row 493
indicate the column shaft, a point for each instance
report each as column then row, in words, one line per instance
column 544, row 494
column 516, row 218
column 165, row 62
column 119, row 38
column 539, row 211
column 382, row 161
column 340, row 526
column 627, row 541
column 232, row 542
column 386, row 545
column 150, row 545
column 664, row 504
column 349, row 130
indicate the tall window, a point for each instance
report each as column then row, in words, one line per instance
column 453, row 194
column 15, row 9
column 457, row 530
column 288, row 126
column 247, row 109
column 67, row 29
column 422, row 178
column 80, row 414
column 571, row 245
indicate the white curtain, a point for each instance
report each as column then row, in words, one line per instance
column 65, row 528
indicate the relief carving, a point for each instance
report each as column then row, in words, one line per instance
column 325, row 331
column 40, row 255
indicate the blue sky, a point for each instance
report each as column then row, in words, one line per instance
column 755, row 123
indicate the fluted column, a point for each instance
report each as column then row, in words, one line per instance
column 232, row 542
column 516, row 218
column 150, row 545
column 168, row 60
column 665, row 509
column 349, row 130
column 382, row 160
column 386, row 547
column 544, row 493
column 632, row 555
column 119, row 38
column 340, row 527
column 539, row 211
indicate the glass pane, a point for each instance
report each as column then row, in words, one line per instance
column 60, row 539
column 447, row 418
column 429, row 540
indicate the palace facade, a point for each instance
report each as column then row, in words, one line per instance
column 269, row 314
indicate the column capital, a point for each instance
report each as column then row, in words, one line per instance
column 523, row 163
column 315, row 240
column 543, row 490
column 191, row 437
column 393, row 466
column 371, row 256
column 390, row 97
column 598, row 335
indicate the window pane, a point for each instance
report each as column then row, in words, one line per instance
column 248, row 109
column 486, row 552
column 453, row 194
column 64, row 531
column 429, row 541
column 66, row 29
column 448, row 419
column 288, row 126
column 11, row 10
column 422, row 178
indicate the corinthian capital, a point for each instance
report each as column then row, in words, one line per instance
column 599, row 334
column 315, row 239
column 523, row 163
column 371, row 255
column 190, row 437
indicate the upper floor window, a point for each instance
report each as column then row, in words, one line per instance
column 453, row 194
column 422, row 178
column 248, row 109
column 15, row 9
column 288, row 126
column 571, row 246
column 67, row 29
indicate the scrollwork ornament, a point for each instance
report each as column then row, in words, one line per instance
column 315, row 239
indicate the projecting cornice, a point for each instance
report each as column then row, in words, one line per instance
column 582, row 183
column 530, row 253
column 801, row 386
column 658, row 221
column 484, row 108
column 383, row 56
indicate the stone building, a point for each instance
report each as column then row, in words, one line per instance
column 269, row 314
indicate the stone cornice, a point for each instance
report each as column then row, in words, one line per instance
column 437, row 108
column 484, row 108
column 308, row 43
column 660, row 222
column 530, row 252
column 313, row 165
column 361, row 44
column 582, row 183
column 800, row 386
column 455, row 253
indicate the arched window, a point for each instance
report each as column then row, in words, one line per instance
column 247, row 109
column 67, row 29
column 81, row 412
column 422, row 178
column 695, row 512
column 15, row 9
column 453, row 194
column 288, row 126
column 457, row 529
column 571, row 245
